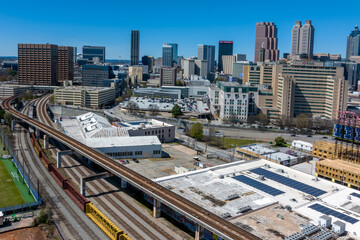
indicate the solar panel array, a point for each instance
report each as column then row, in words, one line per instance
column 329, row 211
column 355, row 195
column 258, row 185
column 289, row 182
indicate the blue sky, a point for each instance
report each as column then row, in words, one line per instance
column 187, row 22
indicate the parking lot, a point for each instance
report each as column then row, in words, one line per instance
column 166, row 104
column 180, row 155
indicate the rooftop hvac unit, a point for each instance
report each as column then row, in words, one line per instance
column 232, row 196
column 244, row 209
column 225, row 215
column 261, row 177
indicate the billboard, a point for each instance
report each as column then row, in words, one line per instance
column 337, row 131
column 349, row 133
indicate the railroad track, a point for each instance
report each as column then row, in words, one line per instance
column 59, row 204
column 207, row 219
column 149, row 228
column 111, row 207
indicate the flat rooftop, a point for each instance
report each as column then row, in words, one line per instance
column 145, row 124
column 281, row 186
column 96, row 132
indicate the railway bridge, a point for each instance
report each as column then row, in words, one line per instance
column 161, row 195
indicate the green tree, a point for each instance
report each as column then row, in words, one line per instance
column 280, row 142
column 176, row 111
column 263, row 119
column 196, row 131
column 28, row 96
column 302, row 121
column 52, row 99
column 2, row 113
column 132, row 106
column 8, row 118
column 154, row 110
column 179, row 83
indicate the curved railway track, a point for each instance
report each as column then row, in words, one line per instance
column 51, row 195
column 111, row 207
column 205, row 218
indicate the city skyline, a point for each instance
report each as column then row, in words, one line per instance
column 27, row 25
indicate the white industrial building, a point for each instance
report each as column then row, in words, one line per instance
column 302, row 145
column 164, row 131
column 96, row 132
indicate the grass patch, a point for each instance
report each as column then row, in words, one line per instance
column 229, row 143
column 13, row 190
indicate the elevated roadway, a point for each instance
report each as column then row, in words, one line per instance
column 199, row 215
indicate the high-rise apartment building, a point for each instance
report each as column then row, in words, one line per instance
column 225, row 48
column 91, row 52
column 266, row 42
column 175, row 52
column 207, row 52
column 134, row 55
column 65, row 63
column 353, row 43
column 230, row 100
column 167, row 76
column 44, row 64
column 167, row 55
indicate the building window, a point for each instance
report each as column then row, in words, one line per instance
column 156, row 152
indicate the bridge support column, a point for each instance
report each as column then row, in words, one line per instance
column 82, row 186
column 83, row 180
column 58, row 160
column 123, row 183
column 59, row 154
column 46, row 141
column 199, row 232
column 156, row 208
column 37, row 133
column 13, row 122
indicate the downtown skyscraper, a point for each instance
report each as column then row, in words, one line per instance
column 175, row 51
column 207, row 52
column 302, row 39
column 225, row 48
column 353, row 43
column 167, row 55
column 134, row 55
column 266, row 42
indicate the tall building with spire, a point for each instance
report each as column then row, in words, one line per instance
column 302, row 39
column 134, row 55
column 306, row 40
column 295, row 39
column 266, row 42
column 353, row 43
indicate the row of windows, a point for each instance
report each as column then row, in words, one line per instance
column 122, row 154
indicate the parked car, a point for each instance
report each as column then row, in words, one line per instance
column 135, row 160
column 196, row 159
